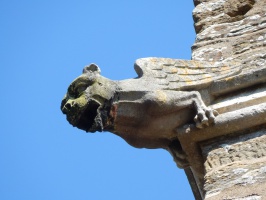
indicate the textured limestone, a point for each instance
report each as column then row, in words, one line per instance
column 231, row 30
column 212, row 12
column 234, row 162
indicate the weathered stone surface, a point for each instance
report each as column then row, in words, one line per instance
column 212, row 12
column 233, row 120
column 234, row 162
column 231, row 30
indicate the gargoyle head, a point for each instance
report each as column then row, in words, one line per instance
column 86, row 96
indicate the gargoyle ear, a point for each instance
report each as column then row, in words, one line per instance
column 91, row 68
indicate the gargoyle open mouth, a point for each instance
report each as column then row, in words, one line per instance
column 90, row 119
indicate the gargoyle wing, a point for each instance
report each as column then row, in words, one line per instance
column 174, row 74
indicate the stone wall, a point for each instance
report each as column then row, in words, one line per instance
column 230, row 30
column 232, row 155
column 234, row 163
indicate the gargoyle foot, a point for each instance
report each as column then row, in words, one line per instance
column 205, row 117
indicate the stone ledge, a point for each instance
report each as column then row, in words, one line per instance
column 237, row 121
column 241, row 100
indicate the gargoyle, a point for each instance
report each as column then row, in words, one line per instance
column 145, row 111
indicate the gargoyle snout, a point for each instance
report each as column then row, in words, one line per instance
column 68, row 106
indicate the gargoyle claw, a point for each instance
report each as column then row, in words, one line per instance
column 205, row 117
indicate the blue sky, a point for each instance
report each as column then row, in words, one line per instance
column 44, row 45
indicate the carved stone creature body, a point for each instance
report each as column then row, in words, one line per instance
column 146, row 111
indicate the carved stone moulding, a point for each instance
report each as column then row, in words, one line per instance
column 229, row 158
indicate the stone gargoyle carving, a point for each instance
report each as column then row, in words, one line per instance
column 145, row 111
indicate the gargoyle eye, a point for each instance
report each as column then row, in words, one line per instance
column 72, row 91
column 77, row 90
column 72, row 94
column 80, row 89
